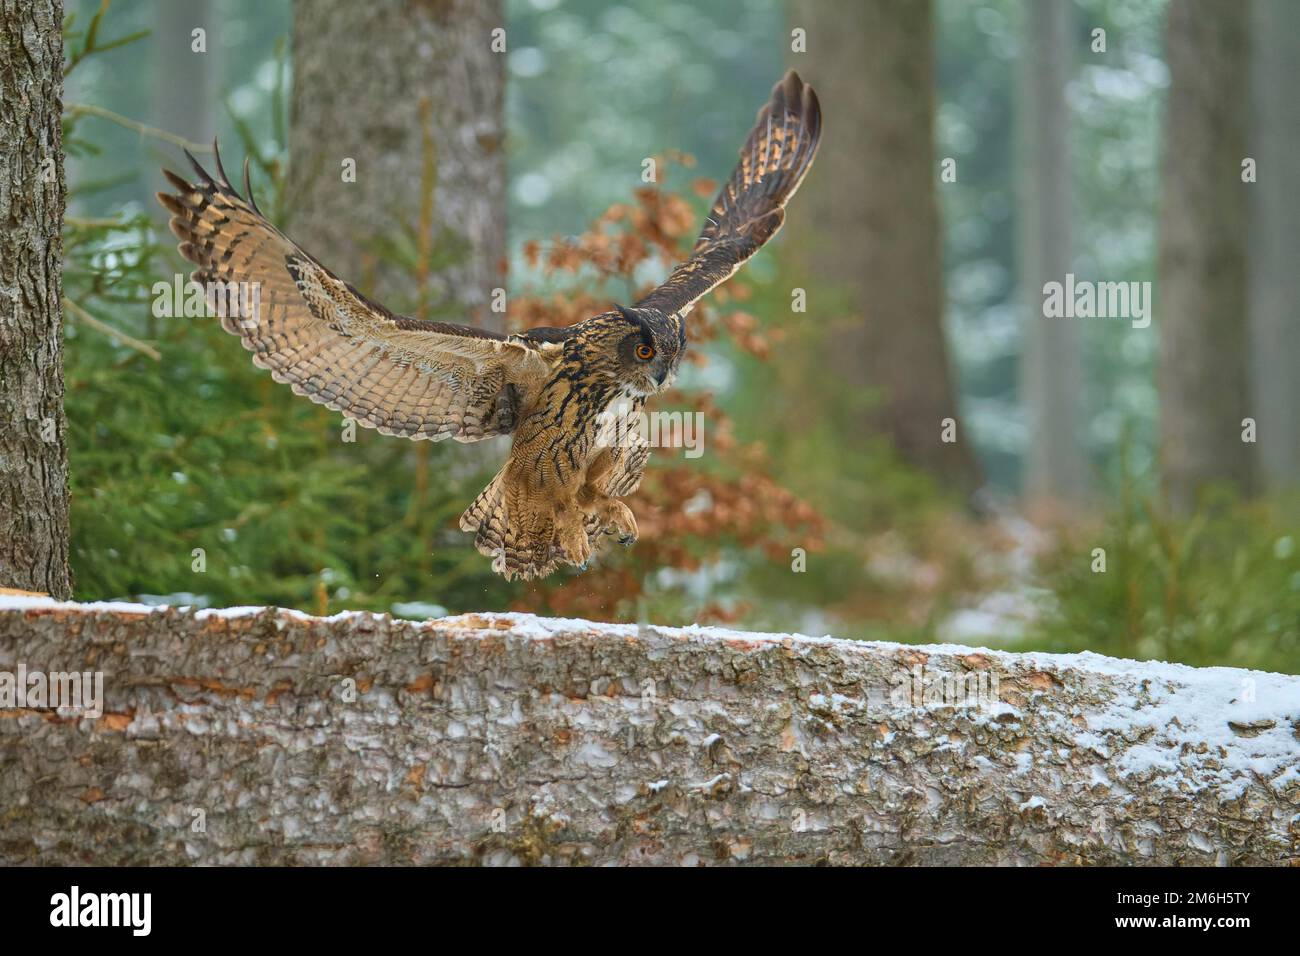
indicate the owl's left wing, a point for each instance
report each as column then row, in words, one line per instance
column 751, row 206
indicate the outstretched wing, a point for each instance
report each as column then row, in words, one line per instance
column 751, row 206
column 318, row 334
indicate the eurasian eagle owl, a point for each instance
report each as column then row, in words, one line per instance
column 553, row 389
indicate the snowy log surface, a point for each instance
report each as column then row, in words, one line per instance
column 228, row 737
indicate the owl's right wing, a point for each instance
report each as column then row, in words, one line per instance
column 750, row 208
column 328, row 342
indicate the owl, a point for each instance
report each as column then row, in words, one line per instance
column 570, row 397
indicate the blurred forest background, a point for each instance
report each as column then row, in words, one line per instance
column 918, row 454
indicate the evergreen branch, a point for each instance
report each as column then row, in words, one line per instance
column 91, row 44
column 89, row 109
column 79, row 223
column 83, row 316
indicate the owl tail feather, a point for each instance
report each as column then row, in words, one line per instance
column 519, row 544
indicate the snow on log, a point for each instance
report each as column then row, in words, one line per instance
column 266, row 736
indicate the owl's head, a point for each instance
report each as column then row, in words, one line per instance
column 643, row 350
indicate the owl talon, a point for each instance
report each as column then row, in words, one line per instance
column 616, row 518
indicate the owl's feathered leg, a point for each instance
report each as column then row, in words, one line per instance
column 610, row 516
column 605, row 514
column 530, row 529
column 571, row 534
column 526, row 534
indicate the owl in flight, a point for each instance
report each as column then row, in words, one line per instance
column 557, row 391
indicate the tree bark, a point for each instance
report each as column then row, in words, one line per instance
column 1204, row 341
column 1275, row 239
column 867, row 220
column 33, row 432
column 1051, row 376
column 413, row 93
column 270, row 737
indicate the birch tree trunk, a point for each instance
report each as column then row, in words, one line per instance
column 1275, row 239
column 1204, row 340
column 33, row 432
column 269, row 737
column 867, row 220
column 412, row 93
column 1051, row 376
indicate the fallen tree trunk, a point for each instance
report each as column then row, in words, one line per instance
column 262, row 736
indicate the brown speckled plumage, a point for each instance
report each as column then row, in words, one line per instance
column 560, row 489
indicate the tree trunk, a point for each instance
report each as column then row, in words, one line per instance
column 188, row 108
column 1275, row 239
column 867, row 220
column 33, row 432
column 270, row 737
column 1204, row 343
column 1052, row 381
column 413, row 93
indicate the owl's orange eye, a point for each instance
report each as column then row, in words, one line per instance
column 645, row 352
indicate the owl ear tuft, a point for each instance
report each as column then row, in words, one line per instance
column 638, row 320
